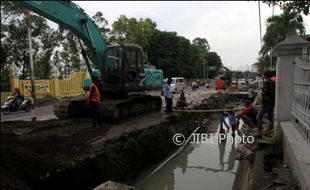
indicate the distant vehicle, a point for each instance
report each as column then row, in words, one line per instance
column 177, row 84
column 10, row 106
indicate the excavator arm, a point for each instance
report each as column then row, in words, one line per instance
column 72, row 17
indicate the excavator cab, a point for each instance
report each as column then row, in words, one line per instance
column 123, row 69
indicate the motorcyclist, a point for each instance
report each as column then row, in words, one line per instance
column 18, row 97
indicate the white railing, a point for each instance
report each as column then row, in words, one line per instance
column 306, row 56
column 301, row 100
column 301, row 108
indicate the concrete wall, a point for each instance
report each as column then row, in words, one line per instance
column 296, row 152
column 290, row 69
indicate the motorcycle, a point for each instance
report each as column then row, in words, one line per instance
column 11, row 106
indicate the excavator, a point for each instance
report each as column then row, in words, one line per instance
column 125, row 75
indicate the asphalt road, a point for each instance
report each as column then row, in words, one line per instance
column 42, row 113
column 46, row 112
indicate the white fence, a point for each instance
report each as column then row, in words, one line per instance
column 301, row 100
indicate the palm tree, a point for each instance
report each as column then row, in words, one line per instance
column 262, row 63
column 279, row 26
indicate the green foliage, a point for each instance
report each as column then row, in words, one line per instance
column 14, row 40
column 278, row 27
column 263, row 63
column 102, row 23
column 214, row 60
column 175, row 54
column 131, row 30
column 300, row 6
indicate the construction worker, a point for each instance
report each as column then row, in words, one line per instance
column 219, row 84
column 181, row 103
column 168, row 96
column 268, row 102
column 94, row 101
column 248, row 115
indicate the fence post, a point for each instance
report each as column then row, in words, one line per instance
column 55, row 91
column 286, row 51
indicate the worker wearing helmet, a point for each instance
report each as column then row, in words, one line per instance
column 94, row 101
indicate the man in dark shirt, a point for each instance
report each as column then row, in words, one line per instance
column 268, row 102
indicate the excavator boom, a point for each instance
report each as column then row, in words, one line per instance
column 121, row 67
column 72, row 17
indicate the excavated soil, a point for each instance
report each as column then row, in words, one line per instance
column 32, row 150
column 70, row 154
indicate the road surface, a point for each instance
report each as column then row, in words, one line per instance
column 42, row 113
column 46, row 112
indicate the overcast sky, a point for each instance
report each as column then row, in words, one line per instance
column 232, row 28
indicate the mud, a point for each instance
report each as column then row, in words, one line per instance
column 70, row 154
column 58, row 159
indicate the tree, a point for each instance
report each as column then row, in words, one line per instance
column 263, row 63
column 300, row 6
column 176, row 56
column 171, row 53
column 102, row 23
column 14, row 37
column 200, row 49
column 213, row 60
column 202, row 44
column 278, row 27
column 131, row 30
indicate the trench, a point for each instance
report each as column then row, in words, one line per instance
column 205, row 164
column 130, row 159
column 120, row 159
column 133, row 155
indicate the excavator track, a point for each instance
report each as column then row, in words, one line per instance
column 111, row 109
column 71, row 107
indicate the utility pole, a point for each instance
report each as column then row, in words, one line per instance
column 271, row 48
column 260, row 24
column 33, row 95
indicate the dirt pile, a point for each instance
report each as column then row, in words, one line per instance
column 261, row 165
column 216, row 101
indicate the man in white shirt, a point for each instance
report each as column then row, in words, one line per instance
column 168, row 96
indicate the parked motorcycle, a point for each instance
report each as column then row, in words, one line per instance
column 11, row 106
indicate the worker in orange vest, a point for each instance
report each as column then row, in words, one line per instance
column 219, row 84
column 94, row 101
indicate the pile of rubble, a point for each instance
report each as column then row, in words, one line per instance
column 215, row 101
column 268, row 171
